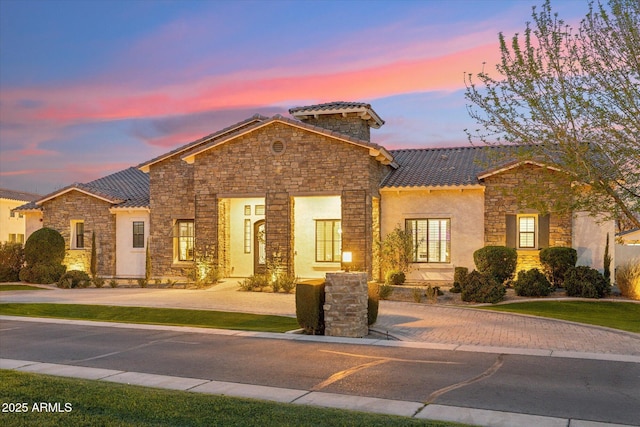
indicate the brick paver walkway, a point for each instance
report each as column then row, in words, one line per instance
column 409, row 321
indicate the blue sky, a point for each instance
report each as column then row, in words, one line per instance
column 91, row 87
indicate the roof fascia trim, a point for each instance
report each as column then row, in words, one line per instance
column 510, row 166
column 67, row 190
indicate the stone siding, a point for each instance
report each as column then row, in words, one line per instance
column 345, row 307
column 171, row 198
column 76, row 206
column 351, row 125
column 310, row 163
column 501, row 199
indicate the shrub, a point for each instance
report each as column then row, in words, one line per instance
column 459, row 274
column 255, row 283
column 284, row 282
column 42, row 273
column 479, row 287
column 417, row 294
column 113, row 283
column 309, row 306
column 373, row 303
column 532, row 283
column 628, row 279
column 74, row 279
column 396, row 251
column 556, row 262
column 385, row 291
column 395, row 277
column 499, row 262
column 585, row 282
column 142, row 282
column 44, row 246
column 11, row 261
column 432, row 294
column 98, row 282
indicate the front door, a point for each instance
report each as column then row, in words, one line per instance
column 259, row 248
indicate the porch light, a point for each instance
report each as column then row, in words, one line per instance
column 347, row 257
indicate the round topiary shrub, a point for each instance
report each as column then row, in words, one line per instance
column 44, row 246
column 395, row 277
column 532, row 283
column 497, row 261
column 459, row 274
column 74, row 279
column 585, row 282
column 556, row 262
column 479, row 287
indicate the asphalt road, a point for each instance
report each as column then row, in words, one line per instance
column 593, row 390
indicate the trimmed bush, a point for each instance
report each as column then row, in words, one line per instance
column 373, row 303
column 385, row 291
column 309, row 306
column 483, row 288
column 11, row 261
column 628, row 279
column 395, row 277
column 43, row 253
column 532, row 283
column 74, row 279
column 499, row 262
column 556, row 262
column 459, row 274
column 585, row 282
column 42, row 273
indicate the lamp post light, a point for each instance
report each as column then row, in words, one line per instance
column 347, row 258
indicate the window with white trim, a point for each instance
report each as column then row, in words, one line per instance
column 527, row 231
column 77, row 234
column 431, row 239
column 328, row 240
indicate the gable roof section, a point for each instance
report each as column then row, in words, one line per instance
column 128, row 188
column 144, row 167
column 380, row 153
column 339, row 107
column 512, row 165
column 19, row 196
column 444, row 167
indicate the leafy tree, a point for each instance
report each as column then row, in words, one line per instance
column 396, row 251
column 570, row 99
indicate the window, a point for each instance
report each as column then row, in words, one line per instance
column 247, row 210
column 247, row 236
column 431, row 239
column 138, row 234
column 527, row 231
column 328, row 240
column 184, row 237
column 12, row 238
column 259, row 209
column 20, row 238
column 77, row 234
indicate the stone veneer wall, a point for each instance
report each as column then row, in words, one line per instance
column 74, row 205
column 171, row 198
column 311, row 164
column 345, row 307
column 351, row 125
column 501, row 198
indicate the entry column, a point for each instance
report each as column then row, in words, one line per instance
column 279, row 229
column 357, row 229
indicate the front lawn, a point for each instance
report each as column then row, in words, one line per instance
column 109, row 404
column 617, row 315
column 14, row 287
column 157, row 316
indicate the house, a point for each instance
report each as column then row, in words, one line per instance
column 12, row 223
column 298, row 192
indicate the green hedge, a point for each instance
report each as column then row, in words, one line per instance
column 309, row 306
column 11, row 261
column 498, row 262
column 74, row 279
column 43, row 252
column 532, row 283
column 556, row 262
column 585, row 282
column 373, row 303
column 479, row 287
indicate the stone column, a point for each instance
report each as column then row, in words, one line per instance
column 206, row 223
column 345, row 307
column 357, row 230
column 279, row 229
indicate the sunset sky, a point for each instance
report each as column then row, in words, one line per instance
column 90, row 87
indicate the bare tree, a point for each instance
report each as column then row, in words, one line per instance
column 571, row 100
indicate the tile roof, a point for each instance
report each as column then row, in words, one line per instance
column 435, row 167
column 339, row 107
column 128, row 188
column 18, row 195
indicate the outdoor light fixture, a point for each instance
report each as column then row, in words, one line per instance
column 347, row 257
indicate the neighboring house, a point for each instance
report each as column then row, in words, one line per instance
column 12, row 224
column 300, row 192
column 627, row 247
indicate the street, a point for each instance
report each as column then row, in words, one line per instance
column 582, row 389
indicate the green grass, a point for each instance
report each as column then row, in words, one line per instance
column 109, row 404
column 617, row 315
column 19, row 288
column 157, row 316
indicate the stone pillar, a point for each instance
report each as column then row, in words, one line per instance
column 206, row 224
column 345, row 306
column 357, row 232
column 279, row 229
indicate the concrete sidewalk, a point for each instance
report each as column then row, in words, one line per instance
column 447, row 326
